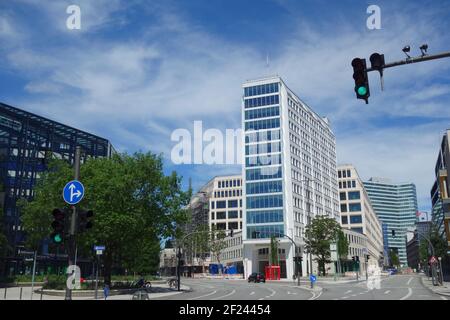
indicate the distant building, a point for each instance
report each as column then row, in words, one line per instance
column 396, row 206
column 412, row 252
column 357, row 213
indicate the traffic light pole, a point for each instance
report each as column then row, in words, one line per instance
column 71, row 240
column 414, row 60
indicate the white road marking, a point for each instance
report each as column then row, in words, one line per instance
column 252, row 293
column 443, row 298
column 206, row 295
column 387, row 291
column 408, row 295
column 348, row 292
column 227, row 295
column 261, row 299
column 361, row 292
column 314, row 297
column 345, row 297
column 409, row 281
column 354, row 295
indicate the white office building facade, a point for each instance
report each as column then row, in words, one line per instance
column 289, row 173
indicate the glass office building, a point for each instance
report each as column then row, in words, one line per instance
column 396, row 206
column 289, row 172
column 27, row 142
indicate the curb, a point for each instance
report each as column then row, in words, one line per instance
column 432, row 289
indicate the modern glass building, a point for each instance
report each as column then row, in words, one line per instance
column 27, row 142
column 396, row 206
column 289, row 173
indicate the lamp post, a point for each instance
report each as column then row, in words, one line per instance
column 295, row 253
column 309, row 270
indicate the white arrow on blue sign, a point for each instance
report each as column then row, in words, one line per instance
column 312, row 278
column 73, row 192
column 99, row 247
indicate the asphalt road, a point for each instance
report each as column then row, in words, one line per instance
column 396, row 287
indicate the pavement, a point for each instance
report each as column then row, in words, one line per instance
column 443, row 290
column 14, row 293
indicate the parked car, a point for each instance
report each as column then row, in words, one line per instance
column 392, row 271
column 256, row 277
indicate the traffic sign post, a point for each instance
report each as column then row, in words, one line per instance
column 312, row 279
column 99, row 251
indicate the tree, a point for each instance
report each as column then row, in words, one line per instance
column 342, row 246
column 393, row 258
column 135, row 206
column 218, row 244
column 319, row 234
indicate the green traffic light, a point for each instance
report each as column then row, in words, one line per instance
column 362, row 91
column 57, row 238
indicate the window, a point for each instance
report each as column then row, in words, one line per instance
column 353, row 184
column 232, row 225
column 221, row 215
column 232, row 203
column 212, row 204
column 343, row 208
column 344, row 174
column 220, row 184
column 359, row 230
column 221, row 226
column 232, row 214
column 265, row 202
column 226, row 183
column 221, row 204
column 339, row 174
column 212, row 215
column 354, row 195
column 344, row 219
column 353, row 207
column 342, row 196
column 348, row 174
column 356, row 219
column 266, row 216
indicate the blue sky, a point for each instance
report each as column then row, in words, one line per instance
column 137, row 70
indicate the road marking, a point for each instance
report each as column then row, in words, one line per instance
column 348, row 292
column 354, row 295
column 443, row 298
column 387, row 291
column 252, row 293
column 408, row 295
column 206, row 295
column 272, row 294
column 261, row 299
column 361, row 292
column 227, row 295
column 314, row 297
column 409, row 281
column 345, row 297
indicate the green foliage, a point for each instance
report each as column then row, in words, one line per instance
column 56, row 282
column 134, row 203
column 319, row 234
column 393, row 259
column 342, row 245
column 217, row 243
column 273, row 251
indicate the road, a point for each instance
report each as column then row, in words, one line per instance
column 397, row 287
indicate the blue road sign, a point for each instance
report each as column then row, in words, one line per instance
column 73, row 192
column 312, row 278
column 99, row 248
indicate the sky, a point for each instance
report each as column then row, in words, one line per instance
column 137, row 70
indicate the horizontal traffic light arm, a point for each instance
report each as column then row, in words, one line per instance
column 414, row 60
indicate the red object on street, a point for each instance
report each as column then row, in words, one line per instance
column 272, row 272
column 81, row 280
column 433, row 259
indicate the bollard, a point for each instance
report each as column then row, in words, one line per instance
column 21, row 289
column 4, row 297
column 41, row 294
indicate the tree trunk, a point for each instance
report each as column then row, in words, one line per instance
column 107, row 269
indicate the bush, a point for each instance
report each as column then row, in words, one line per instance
column 55, row 282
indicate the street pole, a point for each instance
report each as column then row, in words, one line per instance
column 178, row 266
column 413, row 60
column 71, row 241
column 34, row 272
column 96, row 280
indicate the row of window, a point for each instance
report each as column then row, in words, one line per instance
column 344, row 173
column 262, row 148
column 353, row 219
column 229, row 183
column 262, row 101
column 352, row 207
column 262, row 136
column 263, row 160
column 223, row 204
column 273, row 201
column 263, row 173
column 222, row 215
column 266, row 216
column 263, row 232
column 262, row 124
column 352, row 195
column 266, row 251
column 264, row 187
column 261, row 89
column 262, row 113
column 228, row 193
column 347, row 184
column 230, row 226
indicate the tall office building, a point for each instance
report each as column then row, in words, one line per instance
column 396, row 206
column 27, row 142
column 289, row 173
column 357, row 212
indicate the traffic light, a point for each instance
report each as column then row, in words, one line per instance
column 84, row 220
column 361, row 79
column 353, row 258
column 58, row 225
column 377, row 62
column 357, row 258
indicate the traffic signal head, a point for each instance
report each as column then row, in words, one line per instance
column 84, row 220
column 353, row 258
column 357, row 258
column 361, row 79
column 58, row 226
column 377, row 62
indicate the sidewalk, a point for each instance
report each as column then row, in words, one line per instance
column 443, row 290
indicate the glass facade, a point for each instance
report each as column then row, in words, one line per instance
column 263, row 162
